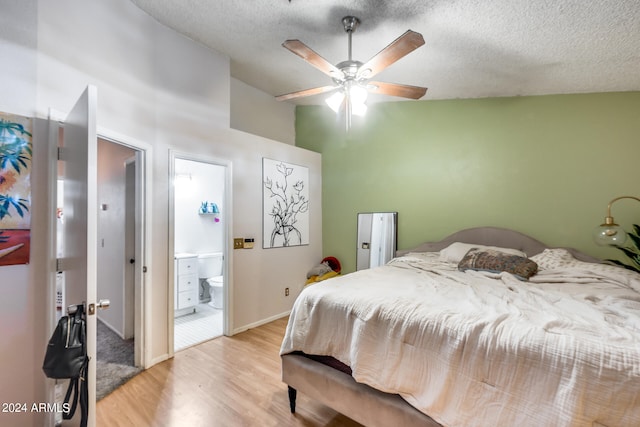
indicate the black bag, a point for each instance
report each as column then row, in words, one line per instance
column 66, row 357
column 67, row 349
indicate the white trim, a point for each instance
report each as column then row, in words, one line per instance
column 261, row 322
column 52, row 227
column 159, row 359
column 57, row 116
column 143, row 309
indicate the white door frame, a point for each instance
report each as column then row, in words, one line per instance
column 142, row 318
column 226, row 217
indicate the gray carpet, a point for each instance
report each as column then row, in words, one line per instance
column 115, row 365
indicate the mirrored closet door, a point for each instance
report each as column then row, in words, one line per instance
column 377, row 239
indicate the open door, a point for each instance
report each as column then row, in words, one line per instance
column 80, row 208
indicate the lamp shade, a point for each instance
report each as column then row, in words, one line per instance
column 609, row 234
column 335, row 101
column 358, row 94
column 351, row 99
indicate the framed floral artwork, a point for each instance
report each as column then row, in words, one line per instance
column 285, row 204
column 15, row 188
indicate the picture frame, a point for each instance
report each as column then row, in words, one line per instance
column 15, row 188
column 285, row 204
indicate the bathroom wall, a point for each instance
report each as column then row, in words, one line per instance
column 196, row 182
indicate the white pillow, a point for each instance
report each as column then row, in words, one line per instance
column 554, row 258
column 456, row 251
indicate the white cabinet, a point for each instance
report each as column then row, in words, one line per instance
column 186, row 281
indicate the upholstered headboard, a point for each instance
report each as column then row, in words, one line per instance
column 494, row 236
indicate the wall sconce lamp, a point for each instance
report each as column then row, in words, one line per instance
column 609, row 233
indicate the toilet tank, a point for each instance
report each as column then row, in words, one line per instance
column 209, row 265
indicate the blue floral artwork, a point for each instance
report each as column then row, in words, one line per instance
column 15, row 189
column 285, row 203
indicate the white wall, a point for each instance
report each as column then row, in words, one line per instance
column 23, row 287
column 257, row 112
column 260, row 275
column 161, row 89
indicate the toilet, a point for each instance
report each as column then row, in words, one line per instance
column 210, row 270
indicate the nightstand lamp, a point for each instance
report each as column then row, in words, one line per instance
column 609, row 233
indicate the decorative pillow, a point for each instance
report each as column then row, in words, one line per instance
column 554, row 258
column 496, row 262
column 560, row 258
column 456, row 251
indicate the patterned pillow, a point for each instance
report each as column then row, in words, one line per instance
column 554, row 258
column 560, row 258
column 496, row 262
column 457, row 250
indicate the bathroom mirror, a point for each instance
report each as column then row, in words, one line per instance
column 377, row 239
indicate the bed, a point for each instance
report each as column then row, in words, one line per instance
column 418, row 342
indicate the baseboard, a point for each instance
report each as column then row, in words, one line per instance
column 115, row 331
column 260, row 322
column 157, row 360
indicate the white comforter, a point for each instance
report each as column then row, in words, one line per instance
column 482, row 349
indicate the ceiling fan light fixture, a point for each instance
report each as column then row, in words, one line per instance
column 351, row 77
column 358, row 94
column 335, row 101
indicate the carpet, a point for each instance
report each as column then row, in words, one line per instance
column 115, row 362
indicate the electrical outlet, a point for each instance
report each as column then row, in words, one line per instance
column 286, row 292
column 238, row 243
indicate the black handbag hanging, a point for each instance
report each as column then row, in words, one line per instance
column 66, row 358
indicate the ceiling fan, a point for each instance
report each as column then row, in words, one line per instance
column 352, row 78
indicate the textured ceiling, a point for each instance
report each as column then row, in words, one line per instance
column 473, row 48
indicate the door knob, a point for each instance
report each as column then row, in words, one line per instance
column 131, row 261
column 102, row 304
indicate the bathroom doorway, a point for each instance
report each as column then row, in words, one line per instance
column 200, row 256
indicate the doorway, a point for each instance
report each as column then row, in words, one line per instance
column 200, row 257
column 116, row 252
column 120, row 252
column 74, row 235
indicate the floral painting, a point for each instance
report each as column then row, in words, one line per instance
column 15, row 189
column 285, row 204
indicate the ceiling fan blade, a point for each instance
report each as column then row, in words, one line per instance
column 403, row 45
column 394, row 89
column 306, row 92
column 309, row 55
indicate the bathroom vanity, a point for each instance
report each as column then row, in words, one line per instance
column 186, row 282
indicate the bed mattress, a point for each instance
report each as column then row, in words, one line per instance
column 478, row 348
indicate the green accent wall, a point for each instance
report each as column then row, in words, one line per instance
column 543, row 165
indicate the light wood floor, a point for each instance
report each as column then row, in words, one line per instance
column 229, row 381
